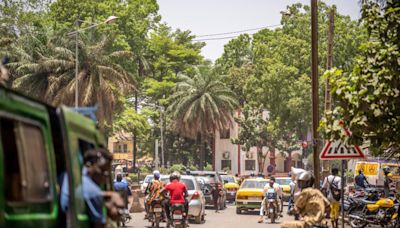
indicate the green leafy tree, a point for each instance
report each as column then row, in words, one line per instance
column 253, row 132
column 368, row 98
column 45, row 69
column 200, row 106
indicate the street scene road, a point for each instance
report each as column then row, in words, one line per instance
column 199, row 110
column 225, row 219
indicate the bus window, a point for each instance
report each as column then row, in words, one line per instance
column 26, row 168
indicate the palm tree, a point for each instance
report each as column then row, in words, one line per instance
column 48, row 72
column 201, row 105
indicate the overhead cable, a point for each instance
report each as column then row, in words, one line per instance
column 240, row 31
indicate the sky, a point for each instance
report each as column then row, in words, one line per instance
column 205, row 17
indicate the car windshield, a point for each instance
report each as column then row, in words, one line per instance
column 188, row 182
column 148, row 179
column 254, row 184
column 207, row 176
column 229, row 179
column 283, row 181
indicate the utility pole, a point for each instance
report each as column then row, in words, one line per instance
column 157, row 161
column 314, row 73
column 162, row 135
column 329, row 62
column 134, row 137
column 329, row 65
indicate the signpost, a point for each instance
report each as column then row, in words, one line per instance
column 334, row 150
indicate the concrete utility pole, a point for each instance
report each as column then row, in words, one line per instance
column 162, row 135
column 314, row 73
column 329, row 65
column 134, row 138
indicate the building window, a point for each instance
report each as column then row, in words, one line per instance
column 125, row 148
column 250, row 165
column 226, row 165
column 225, row 134
column 115, row 147
column 26, row 172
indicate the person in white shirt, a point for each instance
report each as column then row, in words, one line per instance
column 332, row 184
column 278, row 191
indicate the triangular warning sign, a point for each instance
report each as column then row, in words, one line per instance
column 338, row 150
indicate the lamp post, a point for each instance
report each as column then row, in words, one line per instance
column 75, row 33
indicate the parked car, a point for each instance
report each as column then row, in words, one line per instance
column 250, row 194
column 147, row 180
column 197, row 201
column 231, row 186
column 284, row 183
column 208, row 181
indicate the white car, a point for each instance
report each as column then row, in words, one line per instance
column 197, row 202
column 147, row 180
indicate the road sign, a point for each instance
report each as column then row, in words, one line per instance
column 338, row 150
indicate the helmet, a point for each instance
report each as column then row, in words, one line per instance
column 389, row 174
column 305, row 179
column 252, row 174
column 386, row 169
column 156, row 174
column 175, row 176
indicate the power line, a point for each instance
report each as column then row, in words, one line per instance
column 240, row 31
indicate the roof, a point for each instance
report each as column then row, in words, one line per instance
column 203, row 172
column 256, row 179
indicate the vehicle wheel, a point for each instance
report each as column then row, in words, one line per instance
column 157, row 222
column 203, row 218
column 238, row 211
column 224, row 204
column 152, row 224
column 355, row 223
column 197, row 219
column 273, row 215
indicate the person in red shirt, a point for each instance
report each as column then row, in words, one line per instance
column 177, row 194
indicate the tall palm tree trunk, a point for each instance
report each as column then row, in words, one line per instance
column 202, row 152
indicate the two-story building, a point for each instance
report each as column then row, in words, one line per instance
column 229, row 156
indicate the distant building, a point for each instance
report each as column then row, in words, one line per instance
column 227, row 155
column 121, row 145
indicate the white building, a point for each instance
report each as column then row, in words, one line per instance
column 230, row 156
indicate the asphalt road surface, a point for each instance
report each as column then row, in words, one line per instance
column 226, row 218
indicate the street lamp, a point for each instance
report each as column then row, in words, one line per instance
column 109, row 20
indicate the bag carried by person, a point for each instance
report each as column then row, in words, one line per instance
column 334, row 189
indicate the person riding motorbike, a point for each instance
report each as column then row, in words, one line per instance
column 311, row 203
column 177, row 195
column 153, row 190
column 277, row 190
column 124, row 191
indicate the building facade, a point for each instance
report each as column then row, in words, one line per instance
column 229, row 156
column 121, row 146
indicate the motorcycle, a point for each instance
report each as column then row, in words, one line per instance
column 272, row 205
column 382, row 212
column 156, row 213
column 178, row 216
column 124, row 217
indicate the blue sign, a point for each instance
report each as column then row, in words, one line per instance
column 89, row 112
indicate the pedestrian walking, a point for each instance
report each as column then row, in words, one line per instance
column 332, row 185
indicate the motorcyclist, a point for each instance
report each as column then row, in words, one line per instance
column 311, row 203
column 387, row 181
column 177, row 195
column 124, row 190
column 153, row 190
column 278, row 191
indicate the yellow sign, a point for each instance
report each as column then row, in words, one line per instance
column 122, row 156
column 369, row 169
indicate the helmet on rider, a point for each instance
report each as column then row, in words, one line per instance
column 156, row 174
column 305, row 180
column 174, row 176
column 252, row 174
column 386, row 170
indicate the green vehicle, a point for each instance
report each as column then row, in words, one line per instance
column 38, row 145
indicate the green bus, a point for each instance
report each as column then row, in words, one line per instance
column 38, row 144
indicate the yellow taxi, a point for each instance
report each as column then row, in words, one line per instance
column 284, row 184
column 250, row 194
column 231, row 185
